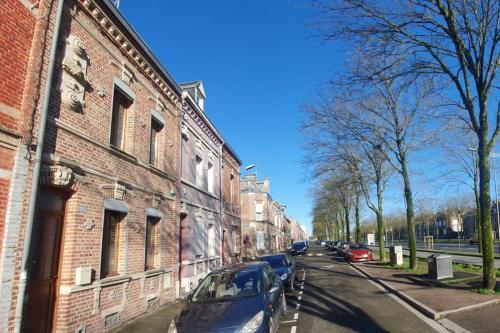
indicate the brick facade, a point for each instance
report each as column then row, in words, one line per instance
column 262, row 218
column 80, row 163
column 120, row 149
column 200, row 217
column 231, row 246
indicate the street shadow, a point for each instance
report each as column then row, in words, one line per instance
column 337, row 310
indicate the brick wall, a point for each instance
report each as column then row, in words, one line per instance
column 79, row 140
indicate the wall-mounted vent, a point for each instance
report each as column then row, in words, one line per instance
column 112, row 320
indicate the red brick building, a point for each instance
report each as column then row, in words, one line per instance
column 104, row 230
column 231, row 238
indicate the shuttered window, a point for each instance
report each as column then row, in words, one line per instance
column 111, row 243
column 121, row 105
column 154, row 139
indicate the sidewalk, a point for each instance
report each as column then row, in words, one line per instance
column 456, row 302
column 153, row 322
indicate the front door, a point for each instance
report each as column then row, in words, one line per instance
column 43, row 272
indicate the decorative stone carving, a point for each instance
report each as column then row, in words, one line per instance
column 156, row 201
column 89, row 224
column 75, row 67
column 184, row 131
column 72, row 95
column 76, row 46
column 57, row 175
column 127, row 74
column 183, row 208
column 135, row 227
column 74, row 77
column 117, row 191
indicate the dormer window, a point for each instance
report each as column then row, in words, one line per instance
column 197, row 93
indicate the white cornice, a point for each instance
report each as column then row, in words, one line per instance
column 96, row 13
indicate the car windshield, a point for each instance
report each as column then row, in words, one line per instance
column 298, row 245
column 358, row 247
column 275, row 262
column 229, row 286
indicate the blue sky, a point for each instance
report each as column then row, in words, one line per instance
column 258, row 64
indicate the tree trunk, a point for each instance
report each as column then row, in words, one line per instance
column 356, row 213
column 478, row 212
column 489, row 274
column 380, row 221
column 347, row 231
column 412, row 242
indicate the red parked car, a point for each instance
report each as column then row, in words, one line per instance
column 358, row 253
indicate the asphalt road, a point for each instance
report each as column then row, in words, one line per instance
column 336, row 298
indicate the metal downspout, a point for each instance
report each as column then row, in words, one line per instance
column 36, row 173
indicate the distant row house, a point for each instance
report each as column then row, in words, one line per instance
column 265, row 228
column 117, row 193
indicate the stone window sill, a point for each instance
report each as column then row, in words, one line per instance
column 109, row 281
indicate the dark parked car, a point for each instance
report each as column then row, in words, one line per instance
column 284, row 266
column 245, row 297
column 342, row 248
column 299, row 247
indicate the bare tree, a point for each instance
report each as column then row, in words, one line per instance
column 453, row 42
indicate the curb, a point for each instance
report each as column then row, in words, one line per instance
column 424, row 309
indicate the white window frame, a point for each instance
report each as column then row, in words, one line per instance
column 199, row 170
column 210, row 176
column 259, row 213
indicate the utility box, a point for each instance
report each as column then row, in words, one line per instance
column 396, row 255
column 440, row 266
column 370, row 239
column 83, row 276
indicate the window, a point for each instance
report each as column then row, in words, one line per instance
column 111, row 243
column 152, row 248
column 199, row 171
column 199, row 244
column 121, row 104
column 154, row 139
column 210, row 178
column 231, row 190
column 211, row 240
column 259, row 207
column 234, row 239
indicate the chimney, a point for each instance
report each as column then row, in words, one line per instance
column 267, row 184
column 251, row 176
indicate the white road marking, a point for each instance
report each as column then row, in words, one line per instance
column 309, row 254
column 302, row 287
column 432, row 323
column 299, row 298
column 300, row 293
column 296, row 316
column 320, row 254
column 327, row 266
column 294, row 329
column 288, row 321
column 298, row 306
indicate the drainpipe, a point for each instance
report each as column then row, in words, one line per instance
column 36, row 173
column 221, row 208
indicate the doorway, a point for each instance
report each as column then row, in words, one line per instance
column 43, row 273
